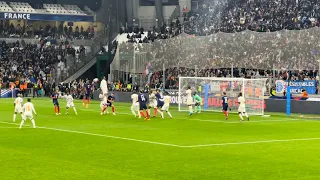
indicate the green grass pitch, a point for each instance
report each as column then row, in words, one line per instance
column 204, row 146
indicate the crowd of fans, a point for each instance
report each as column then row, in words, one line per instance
column 28, row 66
column 243, row 38
column 45, row 32
column 255, row 15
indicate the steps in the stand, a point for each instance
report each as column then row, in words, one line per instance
column 81, row 71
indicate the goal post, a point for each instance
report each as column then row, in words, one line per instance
column 211, row 90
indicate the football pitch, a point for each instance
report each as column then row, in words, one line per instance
column 204, row 146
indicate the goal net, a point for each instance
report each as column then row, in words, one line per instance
column 211, row 90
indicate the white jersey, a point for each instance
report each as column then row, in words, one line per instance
column 135, row 103
column 153, row 100
column 104, row 86
column 69, row 100
column 167, row 101
column 242, row 104
column 28, row 109
column 134, row 98
column 18, row 105
column 189, row 97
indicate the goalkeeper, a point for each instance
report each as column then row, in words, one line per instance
column 198, row 101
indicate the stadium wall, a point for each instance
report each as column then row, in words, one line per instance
column 271, row 105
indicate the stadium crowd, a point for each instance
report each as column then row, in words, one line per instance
column 27, row 66
column 252, row 36
column 45, row 32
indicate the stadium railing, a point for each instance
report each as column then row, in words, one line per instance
column 75, row 64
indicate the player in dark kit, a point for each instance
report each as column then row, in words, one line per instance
column 110, row 103
column 225, row 105
column 55, row 97
column 88, row 90
column 160, row 99
column 143, row 106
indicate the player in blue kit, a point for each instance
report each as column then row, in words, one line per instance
column 55, row 97
column 160, row 99
column 88, row 89
column 225, row 105
column 142, row 99
column 110, row 103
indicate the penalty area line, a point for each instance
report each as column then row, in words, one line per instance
column 102, row 135
column 174, row 145
column 252, row 142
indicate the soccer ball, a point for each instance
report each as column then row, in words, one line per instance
column 95, row 80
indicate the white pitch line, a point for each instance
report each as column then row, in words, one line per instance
column 12, row 127
column 102, row 135
column 252, row 142
column 174, row 145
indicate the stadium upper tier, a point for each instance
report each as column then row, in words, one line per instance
column 20, row 7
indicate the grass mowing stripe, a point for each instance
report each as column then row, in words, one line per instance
column 216, row 121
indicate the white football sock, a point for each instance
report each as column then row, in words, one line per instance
column 21, row 124
column 139, row 114
column 161, row 113
column 240, row 115
column 190, row 109
column 33, row 123
column 75, row 111
column 169, row 114
column 14, row 117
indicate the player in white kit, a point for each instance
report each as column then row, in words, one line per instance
column 165, row 107
column 70, row 103
column 242, row 107
column 135, row 105
column 28, row 111
column 18, row 103
column 103, row 103
column 153, row 103
column 189, row 100
column 104, row 85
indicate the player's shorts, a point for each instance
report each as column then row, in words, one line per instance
column 70, row 105
column 189, row 101
column 105, row 91
column 55, row 103
column 153, row 104
column 225, row 107
column 143, row 106
column 242, row 109
column 27, row 116
column 135, row 106
column 160, row 104
column 102, row 104
column 18, row 109
column 165, row 107
column 87, row 96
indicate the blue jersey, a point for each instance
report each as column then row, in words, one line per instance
column 225, row 103
column 224, row 100
column 55, row 97
column 142, row 102
column 88, row 88
column 160, row 99
column 110, row 100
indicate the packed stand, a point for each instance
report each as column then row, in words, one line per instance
column 46, row 32
column 31, row 66
column 255, row 15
